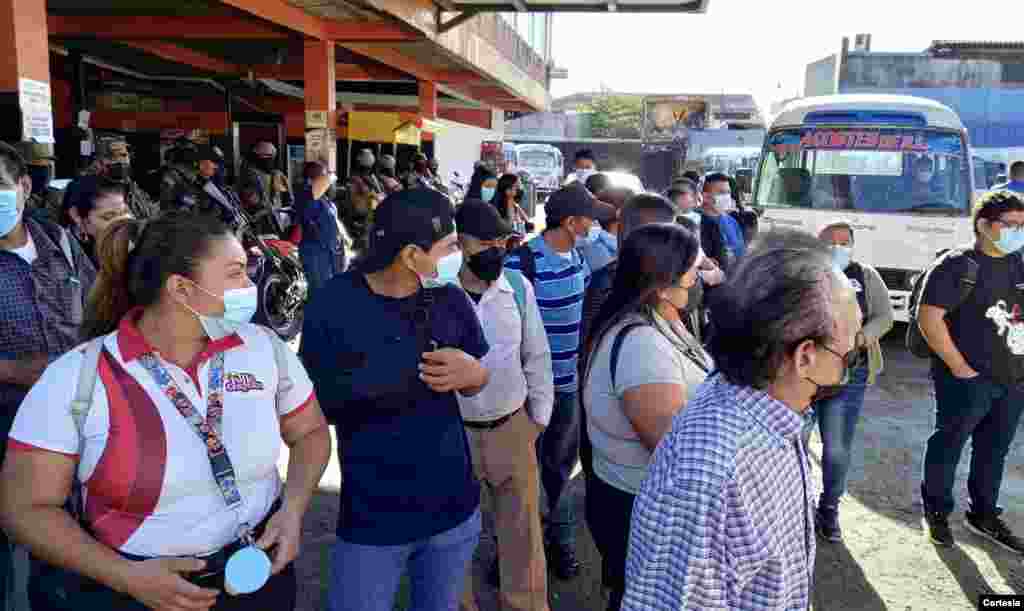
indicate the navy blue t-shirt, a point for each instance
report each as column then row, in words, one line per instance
column 407, row 473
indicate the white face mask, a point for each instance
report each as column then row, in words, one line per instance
column 724, row 202
column 583, row 175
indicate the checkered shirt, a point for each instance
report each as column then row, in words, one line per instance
column 725, row 519
column 41, row 305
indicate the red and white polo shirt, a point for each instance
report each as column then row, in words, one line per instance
column 149, row 489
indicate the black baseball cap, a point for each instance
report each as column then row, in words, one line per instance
column 415, row 216
column 481, row 220
column 575, row 200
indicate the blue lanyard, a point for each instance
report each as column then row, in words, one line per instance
column 208, row 430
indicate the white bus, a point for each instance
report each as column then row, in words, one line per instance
column 896, row 168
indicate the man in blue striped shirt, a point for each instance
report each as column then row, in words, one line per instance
column 725, row 519
column 560, row 276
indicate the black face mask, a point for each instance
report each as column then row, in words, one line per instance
column 119, row 171
column 852, row 360
column 41, row 176
column 487, row 264
column 264, row 163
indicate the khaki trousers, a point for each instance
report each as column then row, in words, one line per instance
column 505, row 459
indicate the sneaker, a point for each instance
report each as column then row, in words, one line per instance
column 826, row 524
column 937, row 526
column 994, row 529
column 562, row 561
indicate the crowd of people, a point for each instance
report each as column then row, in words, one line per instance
column 662, row 342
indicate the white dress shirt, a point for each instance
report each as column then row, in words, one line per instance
column 520, row 367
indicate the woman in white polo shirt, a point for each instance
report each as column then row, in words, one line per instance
column 177, row 452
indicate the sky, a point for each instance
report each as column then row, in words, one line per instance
column 754, row 46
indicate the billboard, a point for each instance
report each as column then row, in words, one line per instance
column 670, row 118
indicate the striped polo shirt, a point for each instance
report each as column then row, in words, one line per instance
column 560, row 283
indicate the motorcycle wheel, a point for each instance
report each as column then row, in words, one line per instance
column 269, row 314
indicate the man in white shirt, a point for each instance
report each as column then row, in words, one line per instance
column 505, row 419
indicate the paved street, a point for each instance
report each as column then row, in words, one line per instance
column 886, row 562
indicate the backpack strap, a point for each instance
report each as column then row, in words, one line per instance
column 528, row 262
column 518, row 283
column 82, row 403
column 519, row 288
column 620, row 337
column 284, row 378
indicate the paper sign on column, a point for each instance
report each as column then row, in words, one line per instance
column 316, row 119
column 36, row 110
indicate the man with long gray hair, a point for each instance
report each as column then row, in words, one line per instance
column 725, row 518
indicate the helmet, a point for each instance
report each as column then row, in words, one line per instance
column 388, row 162
column 365, row 158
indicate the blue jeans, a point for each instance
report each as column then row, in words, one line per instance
column 558, row 449
column 984, row 412
column 366, row 577
column 837, row 420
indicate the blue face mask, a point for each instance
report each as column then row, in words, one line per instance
column 841, row 256
column 1010, row 240
column 694, row 216
column 592, row 235
column 487, row 193
column 240, row 306
column 10, row 215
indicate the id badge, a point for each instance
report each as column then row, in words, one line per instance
column 247, row 570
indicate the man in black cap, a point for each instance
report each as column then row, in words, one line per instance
column 560, row 276
column 387, row 374
column 215, row 198
column 504, row 421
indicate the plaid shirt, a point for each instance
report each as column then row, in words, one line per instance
column 724, row 519
column 42, row 304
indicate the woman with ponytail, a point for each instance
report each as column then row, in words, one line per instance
column 177, row 446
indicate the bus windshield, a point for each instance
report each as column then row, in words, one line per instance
column 917, row 171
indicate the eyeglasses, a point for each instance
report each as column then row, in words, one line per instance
column 856, row 358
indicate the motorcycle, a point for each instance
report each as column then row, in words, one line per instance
column 274, row 267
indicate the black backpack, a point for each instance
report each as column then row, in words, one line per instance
column 916, row 343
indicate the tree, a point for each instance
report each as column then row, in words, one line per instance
column 614, row 115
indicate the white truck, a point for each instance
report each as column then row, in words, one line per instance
column 897, row 169
column 545, row 165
